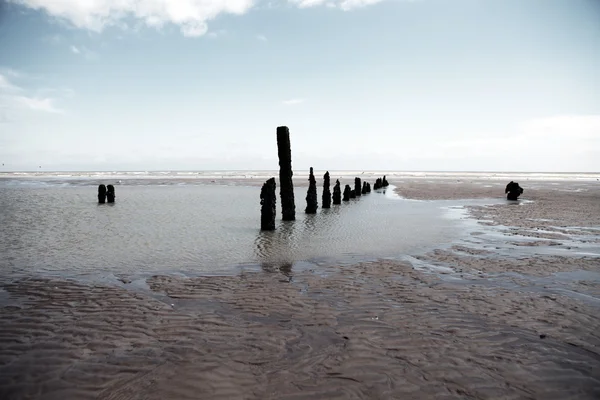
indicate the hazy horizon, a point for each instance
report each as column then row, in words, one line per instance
column 398, row 85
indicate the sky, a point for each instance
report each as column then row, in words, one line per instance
column 414, row 85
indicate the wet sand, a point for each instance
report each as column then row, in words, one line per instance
column 446, row 324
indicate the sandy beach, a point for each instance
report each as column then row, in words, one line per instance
column 479, row 320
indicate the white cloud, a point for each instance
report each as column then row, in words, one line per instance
column 307, row 3
column 262, row 38
column 216, row 34
column 38, row 104
column 15, row 99
column 190, row 15
column 342, row 4
column 84, row 51
column 292, row 102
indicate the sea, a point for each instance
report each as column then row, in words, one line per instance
column 208, row 222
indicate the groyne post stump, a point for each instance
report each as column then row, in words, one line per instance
column 268, row 210
column 286, row 189
column 347, row 193
column 311, row 195
column 101, row 194
column 110, row 194
column 513, row 191
column 337, row 193
column 326, row 192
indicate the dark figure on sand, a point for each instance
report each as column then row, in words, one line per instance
column 513, row 191
column 110, row 194
column 101, row 194
column 268, row 200
column 337, row 193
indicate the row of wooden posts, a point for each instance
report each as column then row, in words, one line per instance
column 268, row 198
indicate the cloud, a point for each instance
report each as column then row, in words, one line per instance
column 292, row 102
column 95, row 15
column 84, row 51
column 190, row 15
column 345, row 5
column 262, row 38
column 15, row 99
column 217, row 34
column 38, row 104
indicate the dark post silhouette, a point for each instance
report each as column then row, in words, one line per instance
column 326, row 192
column 268, row 200
column 110, row 194
column 101, row 194
column 364, row 188
column 384, row 182
column 352, row 193
column 311, row 196
column 347, row 193
column 514, row 191
column 368, row 187
column 337, row 193
column 357, row 186
column 286, row 190
column 377, row 184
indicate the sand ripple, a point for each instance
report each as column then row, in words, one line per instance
column 378, row 331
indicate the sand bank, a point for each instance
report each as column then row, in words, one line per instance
column 382, row 330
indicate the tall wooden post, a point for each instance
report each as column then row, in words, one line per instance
column 286, row 190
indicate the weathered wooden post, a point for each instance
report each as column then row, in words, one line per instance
column 311, row 195
column 110, row 194
column 368, row 187
column 384, row 182
column 377, row 184
column 101, row 194
column 513, row 191
column 337, row 193
column 268, row 200
column 326, row 192
column 286, row 190
column 347, row 193
column 364, row 188
column 357, row 186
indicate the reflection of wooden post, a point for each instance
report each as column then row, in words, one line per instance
column 337, row 193
column 311, row 196
column 110, row 194
column 326, row 192
column 268, row 200
column 347, row 193
column 357, row 186
column 286, row 190
column 101, row 194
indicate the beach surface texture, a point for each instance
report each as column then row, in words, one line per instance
column 511, row 312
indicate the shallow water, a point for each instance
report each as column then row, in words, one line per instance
column 58, row 228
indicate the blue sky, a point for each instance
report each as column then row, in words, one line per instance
column 465, row 85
